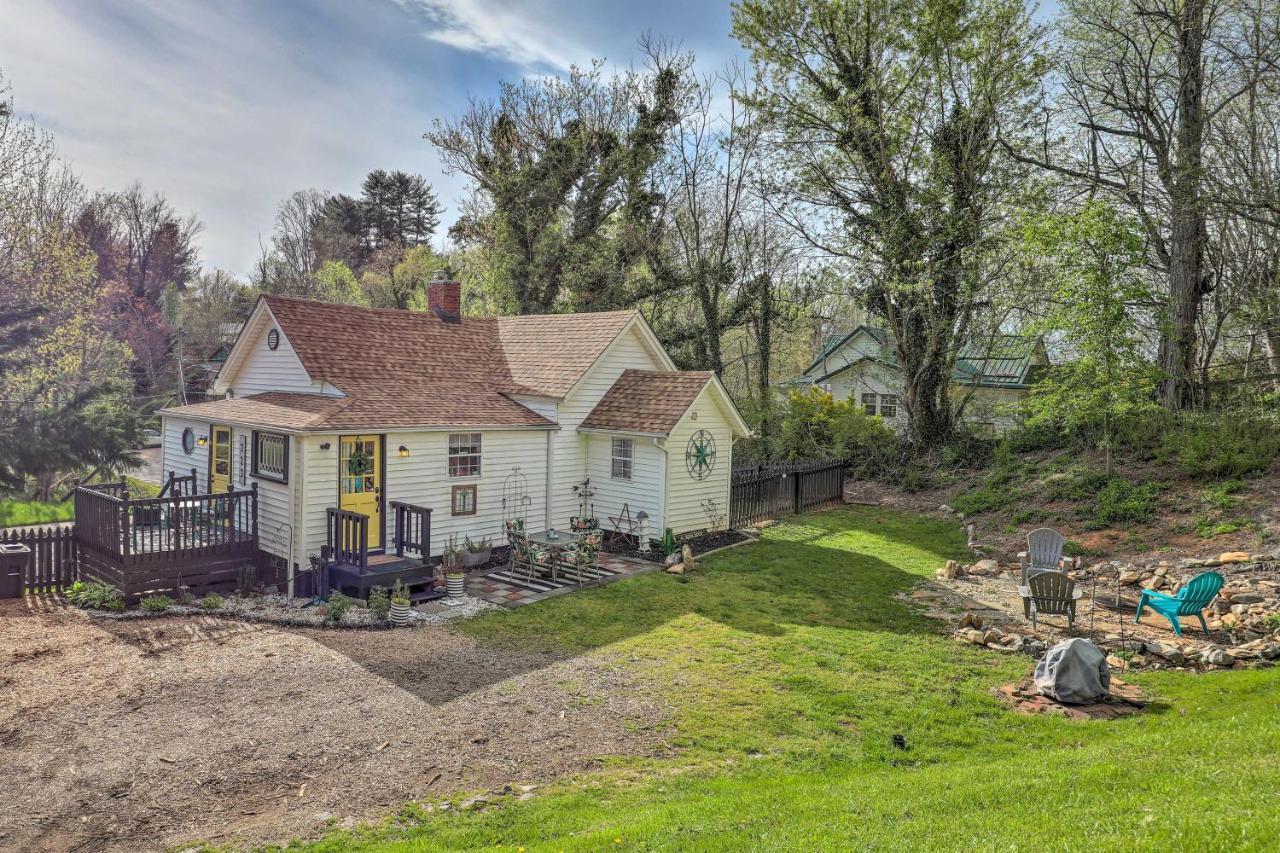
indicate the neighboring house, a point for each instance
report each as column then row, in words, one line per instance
column 989, row 375
column 480, row 419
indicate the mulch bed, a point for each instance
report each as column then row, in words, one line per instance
column 701, row 544
column 1125, row 699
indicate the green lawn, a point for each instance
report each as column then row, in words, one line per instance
column 790, row 666
column 14, row 513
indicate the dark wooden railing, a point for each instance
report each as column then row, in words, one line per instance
column 99, row 517
column 176, row 487
column 347, row 537
column 784, row 489
column 164, row 543
column 413, row 530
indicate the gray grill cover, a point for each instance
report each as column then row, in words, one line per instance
column 1074, row 672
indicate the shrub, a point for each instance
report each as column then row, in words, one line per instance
column 157, row 603
column 1222, row 444
column 986, row 499
column 379, row 602
column 814, row 425
column 337, row 607
column 94, row 595
column 212, row 601
column 1120, row 501
column 1222, row 495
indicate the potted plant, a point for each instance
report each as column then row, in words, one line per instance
column 400, row 612
column 454, row 575
column 476, row 553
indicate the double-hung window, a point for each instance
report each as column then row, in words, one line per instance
column 271, row 456
column 869, row 403
column 464, row 454
column 623, row 455
column 888, row 405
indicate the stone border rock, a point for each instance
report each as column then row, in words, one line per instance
column 474, row 607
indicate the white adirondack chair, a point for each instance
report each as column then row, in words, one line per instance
column 1043, row 554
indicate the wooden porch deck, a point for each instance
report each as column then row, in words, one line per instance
column 384, row 570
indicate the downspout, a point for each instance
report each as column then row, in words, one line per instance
column 661, row 444
column 546, row 480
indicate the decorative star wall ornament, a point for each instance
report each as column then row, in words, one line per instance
column 624, row 523
column 700, row 454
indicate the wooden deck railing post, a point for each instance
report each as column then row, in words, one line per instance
column 124, row 524
column 253, row 511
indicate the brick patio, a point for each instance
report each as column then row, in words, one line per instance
column 508, row 594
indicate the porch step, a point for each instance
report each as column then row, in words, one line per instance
column 426, row 595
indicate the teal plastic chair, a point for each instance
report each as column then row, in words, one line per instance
column 1191, row 600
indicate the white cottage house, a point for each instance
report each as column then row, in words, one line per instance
column 990, row 376
column 362, row 410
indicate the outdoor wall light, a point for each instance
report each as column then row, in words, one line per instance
column 404, row 452
column 325, row 446
column 202, row 440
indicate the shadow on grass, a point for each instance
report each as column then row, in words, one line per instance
column 837, row 569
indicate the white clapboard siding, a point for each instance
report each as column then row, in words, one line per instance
column 684, row 507
column 319, row 492
column 423, row 479
column 548, row 407
column 642, row 492
column 174, row 458
column 265, row 369
column 569, row 453
column 275, row 500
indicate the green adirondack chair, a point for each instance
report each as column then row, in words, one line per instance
column 1191, row 600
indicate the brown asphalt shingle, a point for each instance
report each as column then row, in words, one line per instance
column 649, row 401
column 408, row 368
column 550, row 352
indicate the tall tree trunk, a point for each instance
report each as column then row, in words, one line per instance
column 1187, row 233
column 764, row 343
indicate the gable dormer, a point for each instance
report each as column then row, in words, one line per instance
column 262, row 359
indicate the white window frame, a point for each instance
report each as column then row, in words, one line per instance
column 622, row 458
column 467, row 451
column 888, row 405
column 869, row 402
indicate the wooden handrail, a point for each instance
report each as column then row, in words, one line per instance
column 412, row 529
column 347, row 537
column 186, row 485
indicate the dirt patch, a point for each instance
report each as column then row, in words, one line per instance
column 1123, row 700
column 136, row 736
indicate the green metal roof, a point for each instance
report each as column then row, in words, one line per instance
column 999, row 361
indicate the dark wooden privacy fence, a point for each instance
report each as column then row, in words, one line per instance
column 768, row 491
column 53, row 561
column 200, row 542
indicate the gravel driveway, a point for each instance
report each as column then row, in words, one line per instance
column 140, row 735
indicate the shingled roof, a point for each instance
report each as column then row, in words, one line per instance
column 407, row 368
column 648, row 401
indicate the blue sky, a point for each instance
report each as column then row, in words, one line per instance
column 228, row 107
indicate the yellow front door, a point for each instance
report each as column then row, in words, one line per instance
column 220, row 459
column 360, row 480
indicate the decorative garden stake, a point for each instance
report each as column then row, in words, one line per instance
column 642, row 531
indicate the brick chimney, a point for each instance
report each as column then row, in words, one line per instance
column 444, row 298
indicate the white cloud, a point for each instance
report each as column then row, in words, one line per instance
column 222, row 114
column 527, row 34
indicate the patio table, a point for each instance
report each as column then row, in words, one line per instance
column 556, row 546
